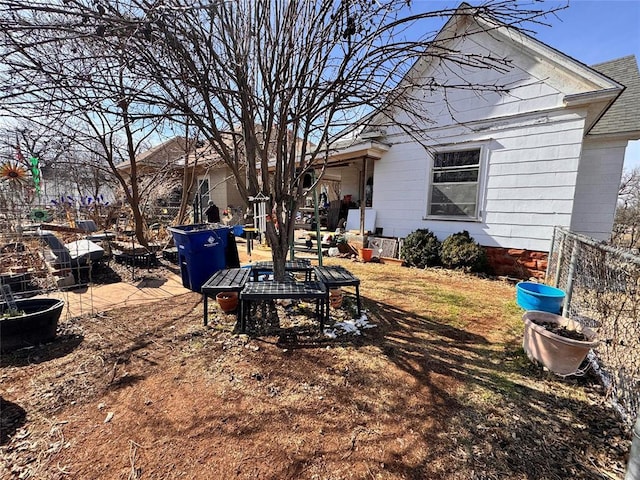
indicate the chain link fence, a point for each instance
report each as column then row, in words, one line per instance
column 602, row 284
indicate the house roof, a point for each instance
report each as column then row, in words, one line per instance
column 171, row 154
column 361, row 150
column 624, row 115
column 596, row 89
column 158, row 156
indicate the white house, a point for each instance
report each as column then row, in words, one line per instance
column 507, row 167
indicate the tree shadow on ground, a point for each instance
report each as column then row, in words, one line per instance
column 296, row 326
column 12, row 417
column 101, row 274
column 61, row 346
column 513, row 420
column 151, row 282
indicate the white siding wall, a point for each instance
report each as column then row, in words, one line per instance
column 597, row 188
column 529, row 176
column 528, row 85
column 350, row 180
column 233, row 195
column 218, row 193
column 225, row 192
column 533, row 144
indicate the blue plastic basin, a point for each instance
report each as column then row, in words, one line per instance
column 537, row 296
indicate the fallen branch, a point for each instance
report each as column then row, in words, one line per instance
column 135, row 473
column 356, row 432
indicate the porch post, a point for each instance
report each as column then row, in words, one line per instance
column 316, row 216
column 363, row 203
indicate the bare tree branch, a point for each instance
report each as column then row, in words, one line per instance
column 267, row 82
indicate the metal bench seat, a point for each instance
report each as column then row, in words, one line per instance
column 271, row 290
column 229, row 280
column 338, row 276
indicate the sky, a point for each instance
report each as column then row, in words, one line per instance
column 594, row 31
column 590, row 31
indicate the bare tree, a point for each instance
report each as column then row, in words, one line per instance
column 66, row 168
column 626, row 230
column 268, row 82
column 65, row 74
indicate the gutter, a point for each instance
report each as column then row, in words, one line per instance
column 609, row 95
column 584, row 98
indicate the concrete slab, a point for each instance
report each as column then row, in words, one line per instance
column 149, row 289
column 101, row 298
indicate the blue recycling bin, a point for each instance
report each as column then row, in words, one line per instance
column 202, row 251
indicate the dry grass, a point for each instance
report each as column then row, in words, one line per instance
column 439, row 389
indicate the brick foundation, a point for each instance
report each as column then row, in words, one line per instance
column 517, row 262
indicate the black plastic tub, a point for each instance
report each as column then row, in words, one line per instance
column 37, row 325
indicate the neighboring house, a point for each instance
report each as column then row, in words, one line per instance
column 214, row 180
column 507, row 167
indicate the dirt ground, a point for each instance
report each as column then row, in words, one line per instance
column 439, row 388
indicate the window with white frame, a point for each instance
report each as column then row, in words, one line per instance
column 455, row 181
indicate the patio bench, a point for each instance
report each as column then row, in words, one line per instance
column 229, row 280
column 337, row 276
column 290, row 266
column 272, row 290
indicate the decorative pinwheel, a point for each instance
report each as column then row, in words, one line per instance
column 13, row 172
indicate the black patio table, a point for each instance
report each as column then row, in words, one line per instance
column 338, row 276
column 271, row 290
column 301, row 265
column 229, row 280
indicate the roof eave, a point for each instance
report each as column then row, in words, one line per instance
column 629, row 135
column 369, row 149
column 584, row 98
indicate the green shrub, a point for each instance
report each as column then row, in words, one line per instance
column 421, row 249
column 461, row 251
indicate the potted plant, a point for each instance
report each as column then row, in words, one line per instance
column 335, row 297
column 228, row 301
column 559, row 343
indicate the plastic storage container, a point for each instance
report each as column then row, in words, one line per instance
column 537, row 296
column 35, row 322
column 202, row 251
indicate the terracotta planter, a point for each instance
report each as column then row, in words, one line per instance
column 559, row 354
column 366, row 254
column 228, row 301
column 335, row 297
column 392, row 261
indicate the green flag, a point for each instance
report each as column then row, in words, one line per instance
column 34, row 167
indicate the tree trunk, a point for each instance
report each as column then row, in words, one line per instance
column 278, row 253
column 278, row 236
